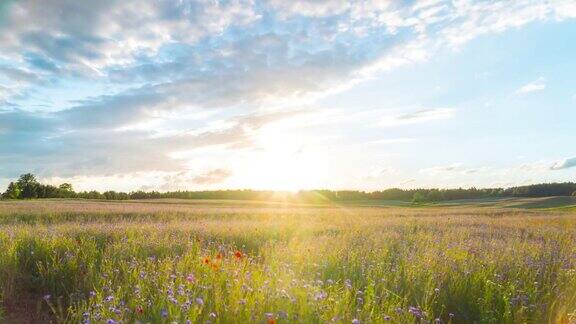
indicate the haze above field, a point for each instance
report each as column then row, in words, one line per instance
column 286, row 95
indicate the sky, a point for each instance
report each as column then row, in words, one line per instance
column 288, row 95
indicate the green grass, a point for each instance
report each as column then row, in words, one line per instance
column 173, row 261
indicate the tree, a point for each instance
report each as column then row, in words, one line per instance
column 418, row 198
column 65, row 190
column 13, row 191
column 434, row 195
column 27, row 178
column 29, row 186
column 66, row 187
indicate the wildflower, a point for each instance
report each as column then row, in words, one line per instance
column 191, row 278
column 320, row 295
column 206, row 260
column 387, row 318
column 348, row 283
column 451, row 315
column 437, row 290
column 200, row 301
column 85, row 314
column 238, row 255
column 164, row 313
column 219, row 256
column 355, row 321
column 415, row 311
column 92, row 293
column 139, row 310
column 109, row 298
column 46, row 297
column 212, row 315
column 111, row 321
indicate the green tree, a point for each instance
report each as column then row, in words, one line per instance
column 28, row 185
column 13, row 191
column 434, row 195
column 65, row 190
column 418, row 198
column 66, row 187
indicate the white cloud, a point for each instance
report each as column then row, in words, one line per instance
column 90, row 35
column 455, row 168
column 534, row 86
column 312, row 8
column 420, row 116
column 564, row 164
column 564, row 8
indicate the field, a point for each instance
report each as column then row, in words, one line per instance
column 510, row 261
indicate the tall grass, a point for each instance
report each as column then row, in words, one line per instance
column 158, row 262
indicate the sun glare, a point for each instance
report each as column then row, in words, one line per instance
column 283, row 163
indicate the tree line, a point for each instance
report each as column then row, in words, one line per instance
column 28, row 187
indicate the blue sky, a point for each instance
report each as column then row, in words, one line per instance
column 271, row 94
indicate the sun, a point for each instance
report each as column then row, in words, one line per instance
column 283, row 163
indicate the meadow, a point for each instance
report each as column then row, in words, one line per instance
column 166, row 261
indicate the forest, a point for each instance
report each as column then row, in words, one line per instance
column 28, row 187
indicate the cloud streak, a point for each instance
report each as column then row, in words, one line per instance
column 564, row 164
column 535, row 86
column 419, row 116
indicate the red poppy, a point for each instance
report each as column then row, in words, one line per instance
column 206, row 260
column 139, row 310
column 238, row 255
column 271, row 321
column 219, row 256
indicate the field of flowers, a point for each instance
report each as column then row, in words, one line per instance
column 175, row 261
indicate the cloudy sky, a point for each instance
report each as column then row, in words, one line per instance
column 274, row 94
